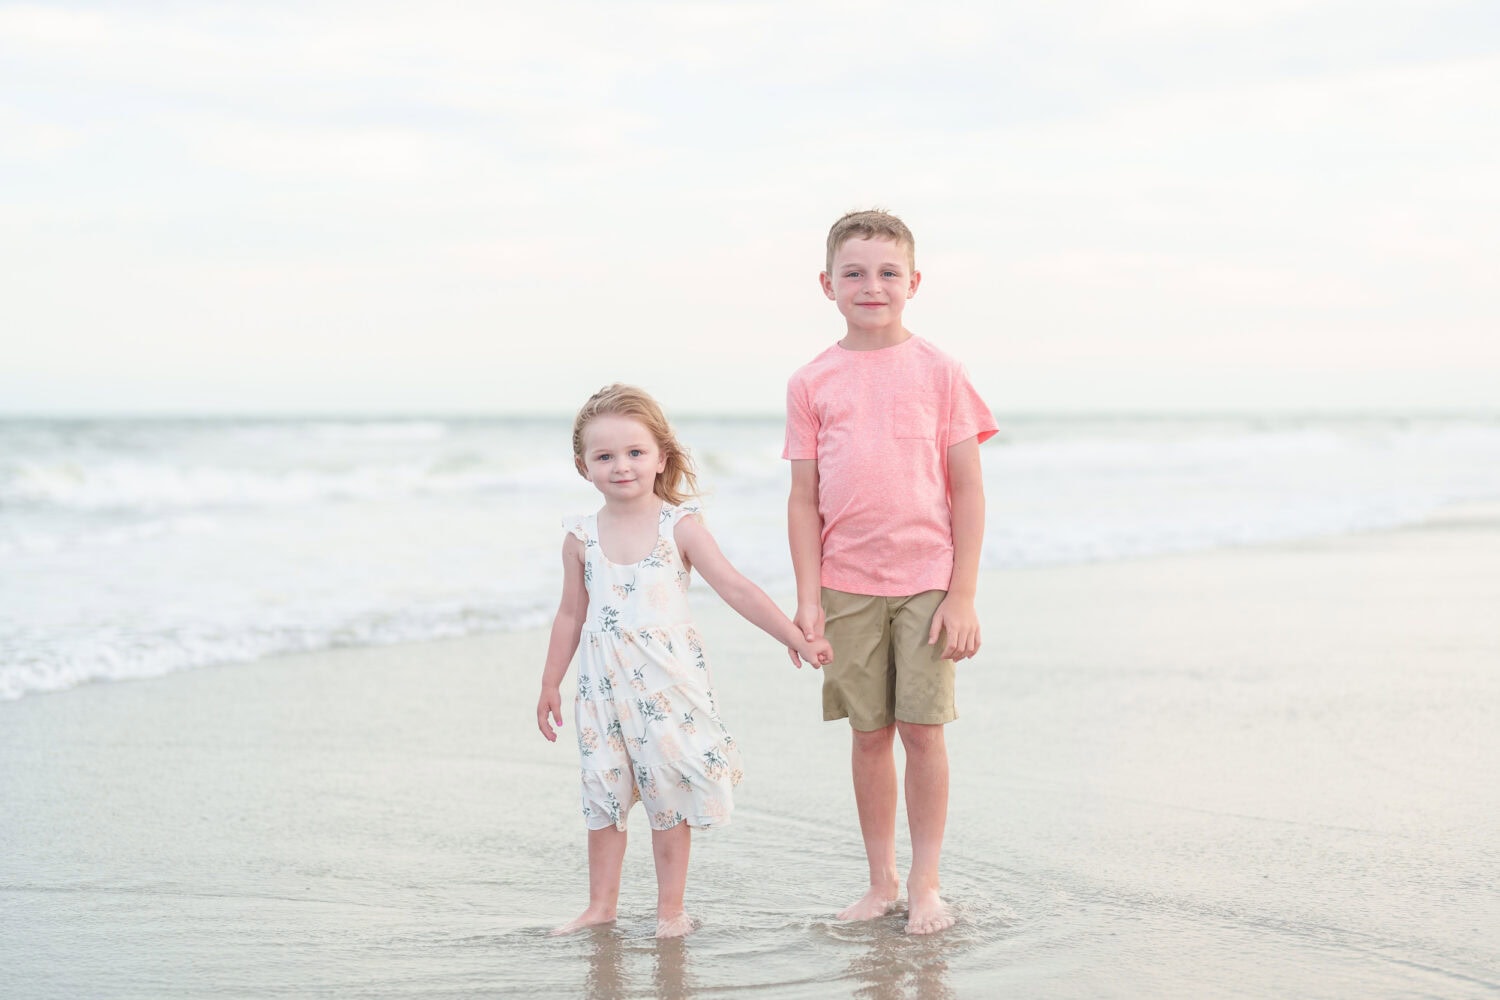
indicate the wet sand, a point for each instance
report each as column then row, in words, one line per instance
column 1259, row 772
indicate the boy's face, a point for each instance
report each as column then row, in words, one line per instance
column 870, row 282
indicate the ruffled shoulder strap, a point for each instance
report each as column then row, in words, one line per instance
column 670, row 515
column 580, row 527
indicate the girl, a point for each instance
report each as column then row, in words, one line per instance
column 648, row 726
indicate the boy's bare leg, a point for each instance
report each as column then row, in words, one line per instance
column 606, row 856
column 671, row 849
column 873, row 762
column 927, row 811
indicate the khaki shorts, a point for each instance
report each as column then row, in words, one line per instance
column 883, row 669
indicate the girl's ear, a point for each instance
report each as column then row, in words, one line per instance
column 578, row 464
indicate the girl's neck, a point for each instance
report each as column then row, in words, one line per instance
column 628, row 528
column 642, row 506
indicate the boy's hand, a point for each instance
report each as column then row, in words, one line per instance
column 809, row 621
column 959, row 618
column 548, row 710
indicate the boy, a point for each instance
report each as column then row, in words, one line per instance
column 885, row 519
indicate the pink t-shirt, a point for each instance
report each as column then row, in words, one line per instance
column 879, row 424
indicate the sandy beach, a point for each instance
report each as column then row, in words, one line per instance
column 1258, row 772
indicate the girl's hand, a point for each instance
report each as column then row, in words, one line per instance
column 549, row 710
column 817, row 653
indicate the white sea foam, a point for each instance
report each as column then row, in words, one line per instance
column 41, row 540
column 55, row 664
column 133, row 549
column 133, row 485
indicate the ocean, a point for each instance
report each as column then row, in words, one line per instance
column 139, row 547
column 1256, row 773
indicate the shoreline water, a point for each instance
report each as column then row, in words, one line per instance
column 1250, row 772
column 139, row 548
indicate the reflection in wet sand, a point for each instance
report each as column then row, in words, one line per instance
column 609, row 953
column 900, row 967
column 606, row 977
column 672, row 981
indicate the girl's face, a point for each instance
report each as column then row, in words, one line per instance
column 621, row 457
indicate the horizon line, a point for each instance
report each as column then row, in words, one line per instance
column 1334, row 412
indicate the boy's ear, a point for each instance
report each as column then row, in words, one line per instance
column 827, row 283
column 916, row 279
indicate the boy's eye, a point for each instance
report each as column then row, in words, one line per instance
column 891, row 274
column 851, row 274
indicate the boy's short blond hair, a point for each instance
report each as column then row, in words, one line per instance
column 870, row 224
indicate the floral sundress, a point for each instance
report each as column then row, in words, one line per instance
column 648, row 727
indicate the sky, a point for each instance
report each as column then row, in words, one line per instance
column 1171, row 205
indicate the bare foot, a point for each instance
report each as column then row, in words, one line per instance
column 876, row 902
column 926, row 912
column 592, row 917
column 670, row 927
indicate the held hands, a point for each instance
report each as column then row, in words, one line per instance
column 549, row 710
column 818, row 653
column 814, row 649
column 958, row 617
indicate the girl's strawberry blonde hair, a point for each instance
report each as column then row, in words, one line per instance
column 675, row 483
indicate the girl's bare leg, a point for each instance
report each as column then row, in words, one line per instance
column 671, row 848
column 874, row 765
column 606, row 857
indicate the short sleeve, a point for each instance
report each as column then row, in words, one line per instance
column 801, row 423
column 968, row 416
column 671, row 515
column 575, row 527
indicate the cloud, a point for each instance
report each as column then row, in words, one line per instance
column 1164, row 180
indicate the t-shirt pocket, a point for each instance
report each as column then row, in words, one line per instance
column 914, row 416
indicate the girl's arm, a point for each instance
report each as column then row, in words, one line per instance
column 703, row 554
column 804, row 528
column 567, row 627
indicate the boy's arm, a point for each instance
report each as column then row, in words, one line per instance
column 567, row 629
column 703, row 554
column 966, row 497
column 804, row 528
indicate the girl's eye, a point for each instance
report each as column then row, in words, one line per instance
column 602, row 457
column 636, row 453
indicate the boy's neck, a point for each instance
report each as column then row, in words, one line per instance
column 874, row 340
